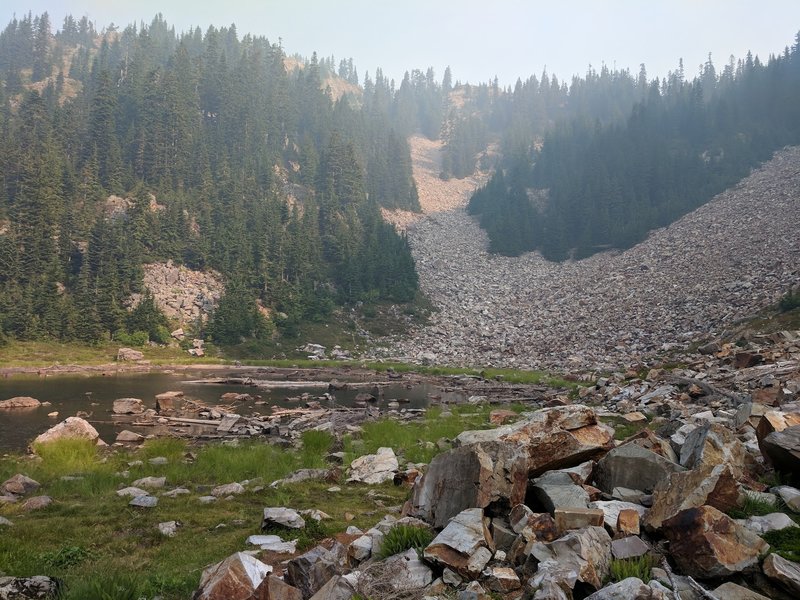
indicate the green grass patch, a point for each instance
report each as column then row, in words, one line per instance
column 624, row 429
column 93, row 540
column 785, row 542
column 753, row 507
column 632, row 567
column 402, row 537
column 417, row 441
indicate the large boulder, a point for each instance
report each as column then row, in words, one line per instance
column 309, row 572
column 716, row 487
column 711, row 445
column 402, row 573
column 708, row 544
column 474, row 476
column 238, row 577
column 583, row 555
column 464, row 546
column 492, row 467
column 631, row 466
column 782, row 449
column 128, row 406
column 19, row 402
column 374, row 468
column 70, row 428
column 129, row 354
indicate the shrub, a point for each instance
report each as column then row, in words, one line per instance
column 790, row 301
column 785, row 542
column 106, row 587
column 402, row 537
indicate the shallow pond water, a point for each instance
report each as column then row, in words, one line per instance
column 94, row 394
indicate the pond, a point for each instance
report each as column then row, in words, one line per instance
column 94, row 394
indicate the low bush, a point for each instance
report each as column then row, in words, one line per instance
column 402, row 537
column 632, row 567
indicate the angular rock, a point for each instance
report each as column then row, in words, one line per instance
column 129, row 354
column 128, row 406
column 473, row 476
column 766, row 523
column 706, row 543
column 19, row 402
column 612, row 509
column 577, row 518
column 311, row 571
column 5, row 522
column 407, row 572
column 557, row 490
column 374, row 468
column 533, row 526
column 731, row 591
column 235, row 578
column 19, row 485
column 782, row 450
column 283, row 517
column 144, row 502
column 229, row 489
column 632, row 466
column 465, row 537
column 631, row 588
column 692, row 489
column 628, row 522
column 774, row 420
column 23, row 588
column 790, row 496
column 785, row 572
column 273, row 588
column 585, row 555
column 502, row 416
column 711, row 445
column 70, row 428
column 165, row 401
column 132, row 492
column 502, row 580
column 628, row 547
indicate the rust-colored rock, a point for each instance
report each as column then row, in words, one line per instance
column 235, row 578
column 628, row 522
column 707, row 543
column 502, row 416
column 716, row 487
column 578, row 518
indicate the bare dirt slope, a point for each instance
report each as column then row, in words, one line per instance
column 722, row 262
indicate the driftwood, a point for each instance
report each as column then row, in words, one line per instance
column 208, row 422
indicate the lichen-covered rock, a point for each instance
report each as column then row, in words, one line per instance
column 374, row 468
column 19, row 402
column 38, row 587
column 583, row 555
column 19, row 485
column 784, row 572
column 70, row 428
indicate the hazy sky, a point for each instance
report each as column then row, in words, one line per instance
column 477, row 38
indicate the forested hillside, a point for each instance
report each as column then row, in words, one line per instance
column 615, row 165
column 124, row 147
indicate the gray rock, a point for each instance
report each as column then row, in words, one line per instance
column 169, row 528
column 144, row 502
column 463, row 545
column 784, row 572
column 311, row 571
column 782, row 449
column 207, row 499
column 583, row 555
column 273, row 543
column 628, row 547
column 632, row 466
column 283, row 517
column 129, row 354
column 5, row 522
column 69, row 428
column 158, row 461
column 763, row 524
column 789, row 495
column 23, row 588
column 731, row 591
column 129, row 437
column 36, row 503
column 612, row 508
column 19, row 402
column 374, row 468
column 407, row 572
column 175, row 493
column 150, row 482
column 631, row 588
column 132, row 492
column 557, row 490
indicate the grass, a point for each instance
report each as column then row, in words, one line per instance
column 416, row 441
column 753, row 507
column 785, row 542
column 624, row 429
column 632, row 567
column 402, row 537
column 96, row 543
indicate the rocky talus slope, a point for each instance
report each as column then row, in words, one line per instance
column 720, row 263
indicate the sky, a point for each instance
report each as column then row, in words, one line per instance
column 478, row 39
